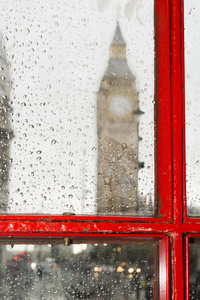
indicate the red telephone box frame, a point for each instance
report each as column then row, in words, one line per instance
column 172, row 221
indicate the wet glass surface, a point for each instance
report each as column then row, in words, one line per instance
column 77, row 107
column 192, row 92
column 194, row 268
column 79, row 271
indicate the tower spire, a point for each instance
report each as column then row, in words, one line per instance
column 118, row 45
column 118, row 38
column 117, row 65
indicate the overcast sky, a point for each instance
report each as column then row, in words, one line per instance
column 58, row 51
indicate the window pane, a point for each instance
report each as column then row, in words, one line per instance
column 80, row 271
column 194, row 268
column 77, row 93
column 192, row 67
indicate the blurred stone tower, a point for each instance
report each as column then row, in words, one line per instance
column 5, row 128
column 117, row 125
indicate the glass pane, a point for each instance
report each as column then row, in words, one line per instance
column 80, row 271
column 194, row 268
column 192, row 67
column 77, row 111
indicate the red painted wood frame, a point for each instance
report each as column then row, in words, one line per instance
column 171, row 220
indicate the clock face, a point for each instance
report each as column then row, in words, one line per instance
column 120, row 106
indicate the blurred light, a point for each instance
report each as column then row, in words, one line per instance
column 15, row 256
column 138, row 270
column 123, row 263
column 114, row 249
column 97, row 269
column 105, row 244
column 120, row 269
column 78, row 248
column 119, row 249
column 33, row 266
column 23, row 253
column 130, row 270
column 130, row 276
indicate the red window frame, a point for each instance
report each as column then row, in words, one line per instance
column 171, row 222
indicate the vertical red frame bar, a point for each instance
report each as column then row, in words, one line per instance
column 177, row 265
column 164, row 275
column 163, row 114
column 177, row 105
column 176, row 21
column 183, row 113
column 186, row 247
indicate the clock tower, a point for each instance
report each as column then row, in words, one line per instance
column 117, row 125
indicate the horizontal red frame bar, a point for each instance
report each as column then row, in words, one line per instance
column 94, row 226
column 51, row 218
column 78, row 237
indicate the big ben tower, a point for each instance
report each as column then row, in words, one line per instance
column 117, row 125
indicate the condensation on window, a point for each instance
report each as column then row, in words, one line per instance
column 77, row 107
column 192, row 94
column 80, row 271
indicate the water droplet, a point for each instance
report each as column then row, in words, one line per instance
column 53, row 142
column 107, row 180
